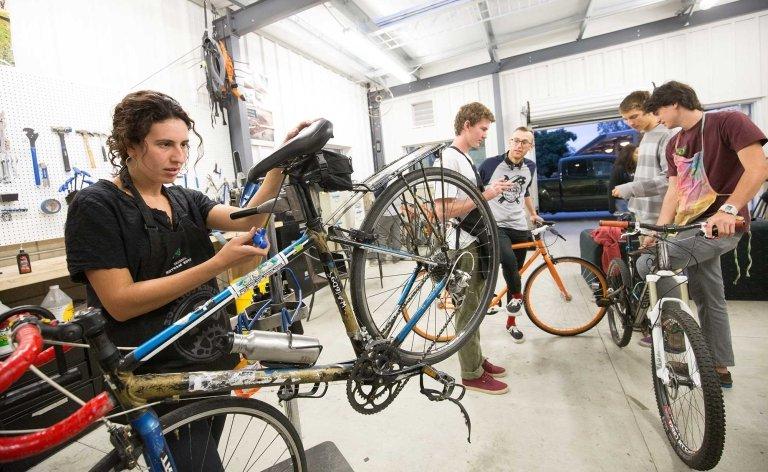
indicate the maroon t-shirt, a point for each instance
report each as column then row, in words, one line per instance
column 725, row 134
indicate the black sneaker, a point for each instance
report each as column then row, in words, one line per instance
column 726, row 381
column 515, row 305
column 517, row 336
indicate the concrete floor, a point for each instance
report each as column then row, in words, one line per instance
column 577, row 404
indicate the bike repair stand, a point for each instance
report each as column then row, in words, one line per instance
column 277, row 304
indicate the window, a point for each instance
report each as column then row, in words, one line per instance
column 423, row 114
column 602, row 168
column 576, row 168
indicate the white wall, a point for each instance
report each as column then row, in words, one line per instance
column 397, row 121
column 81, row 49
column 302, row 89
column 725, row 61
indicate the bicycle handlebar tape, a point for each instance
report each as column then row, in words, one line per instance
column 29, row 344
column 614, row 224
column 20, row 447
column 260, row 238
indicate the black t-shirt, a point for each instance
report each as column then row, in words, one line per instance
column 105, row 230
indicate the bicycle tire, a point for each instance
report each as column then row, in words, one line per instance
column 202, row 409
column 620, row 312
column 708, row 454
column 585, row 283
column 360, row 298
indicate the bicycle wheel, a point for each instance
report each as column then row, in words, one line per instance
column 430, row 252
column 693, row 416
column 620, row 312
column 578, row 283
column 252, row 436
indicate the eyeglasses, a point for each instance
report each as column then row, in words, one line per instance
column 522, row 142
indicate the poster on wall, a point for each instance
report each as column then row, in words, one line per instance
column 6, row 53
column 261, row 123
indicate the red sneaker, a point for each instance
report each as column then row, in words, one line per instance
column 494, row 370
column 485, row 384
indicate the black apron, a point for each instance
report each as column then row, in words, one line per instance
column 170, row 252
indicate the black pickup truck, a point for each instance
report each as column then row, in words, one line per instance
column 580, row 184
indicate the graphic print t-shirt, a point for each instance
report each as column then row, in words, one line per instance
column 509, row 207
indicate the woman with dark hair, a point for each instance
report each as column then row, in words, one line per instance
column 142, row 248
column 623, row 172
column 141, row 245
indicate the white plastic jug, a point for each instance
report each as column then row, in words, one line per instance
column 59, row 304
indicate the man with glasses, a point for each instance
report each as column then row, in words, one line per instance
column 509, row 209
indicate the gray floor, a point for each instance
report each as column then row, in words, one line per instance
column 577, row 404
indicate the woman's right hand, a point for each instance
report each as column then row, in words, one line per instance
column 239, row 249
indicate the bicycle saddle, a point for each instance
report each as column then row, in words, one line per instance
column 309, row 140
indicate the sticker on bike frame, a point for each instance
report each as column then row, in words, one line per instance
column 164, row 338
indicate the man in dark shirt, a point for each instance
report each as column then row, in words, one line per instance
column 716, row 166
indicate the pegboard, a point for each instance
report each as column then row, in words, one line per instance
column 40, row 103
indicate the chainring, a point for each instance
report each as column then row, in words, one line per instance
column 372, row 385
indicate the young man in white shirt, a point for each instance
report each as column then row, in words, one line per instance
column 471, row 127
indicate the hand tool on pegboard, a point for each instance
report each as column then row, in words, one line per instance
column 44, row 175
column 6, row 214
column 62, row 131
column 102, row 141
column 50, row 206
column 7, row 167
column 32, row 138
column 85, row 134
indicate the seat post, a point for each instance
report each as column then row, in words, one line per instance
column 308, row 206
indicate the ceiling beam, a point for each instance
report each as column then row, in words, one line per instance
column 490, row 38
column 534, row 31
column 587, row 14
column 367, row 26
column 257, row 15
column 667, row 25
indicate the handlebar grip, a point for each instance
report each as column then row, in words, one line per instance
column 30, row 343
column 15, row 448
column 260, row 238
column 614, row 224
column 243, row 213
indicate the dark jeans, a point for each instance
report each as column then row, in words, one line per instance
column 512, row 260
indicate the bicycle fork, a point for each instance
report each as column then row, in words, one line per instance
column 156, row 451
column 657, row 336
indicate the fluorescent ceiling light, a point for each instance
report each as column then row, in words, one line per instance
column 369, row 53
column 624, row 143
column 707, row 4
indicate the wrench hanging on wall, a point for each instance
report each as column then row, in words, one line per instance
column 62, row 131
column 32, row 138
column 85, row 134
column 7, row 168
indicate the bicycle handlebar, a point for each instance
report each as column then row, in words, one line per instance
column 666, row 229
column 20, row 447
column 29, row 344
column 28, row 349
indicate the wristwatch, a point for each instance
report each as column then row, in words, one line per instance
column 730, row 209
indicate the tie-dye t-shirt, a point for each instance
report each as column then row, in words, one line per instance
column 725, row 133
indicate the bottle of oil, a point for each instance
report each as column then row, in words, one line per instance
column 22, row 260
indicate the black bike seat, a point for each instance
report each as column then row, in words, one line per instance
column 309, row 140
